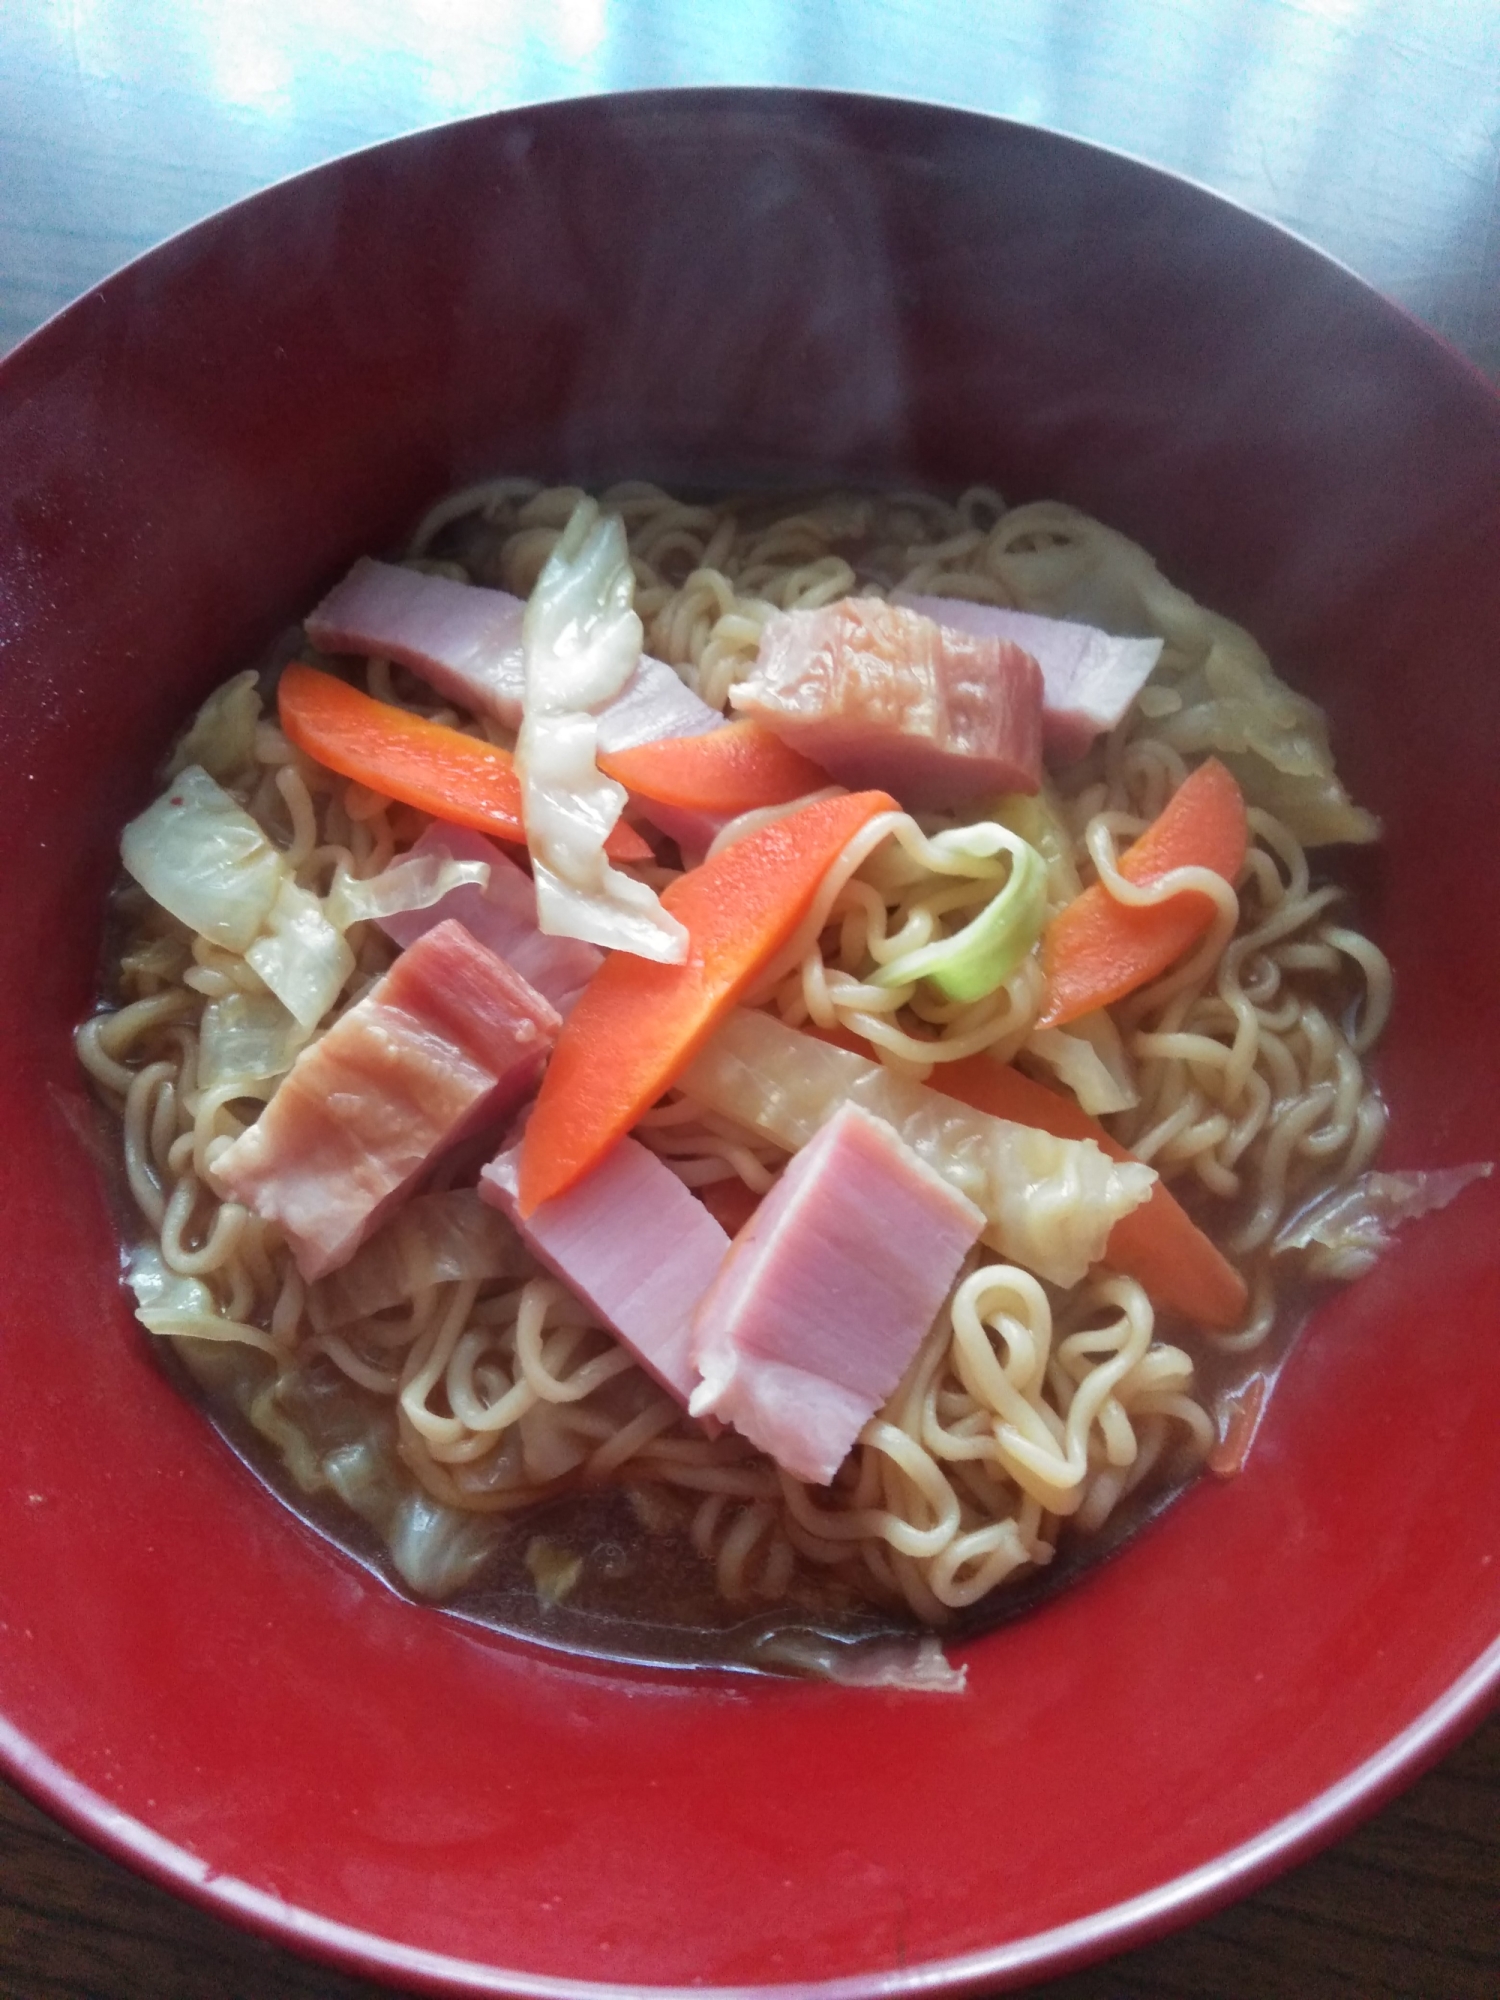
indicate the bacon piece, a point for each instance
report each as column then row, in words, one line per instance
column 451, row 1038
column 501, row 916
column 632, row 1243
column 1089, row 677
column 882, row 697
column 828, row 1293
column 466, row 641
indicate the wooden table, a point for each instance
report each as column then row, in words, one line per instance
column 1375, row 131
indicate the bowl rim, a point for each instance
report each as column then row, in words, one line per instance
column 1462, row 1707
column 792, row 97
column 1119, row 1927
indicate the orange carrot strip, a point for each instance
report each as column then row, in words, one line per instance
column 730, row 1202
column 439, row 770
column 637, row 1025
column 731, row 770
column 1097, row 949
column 1157, row 1244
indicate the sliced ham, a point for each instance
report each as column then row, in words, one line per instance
column 655, row 704
column 449, row 1039
column 1089, row 677
column 828, row 1293
column 501, row 916
column 883, row 697
column 1050, row 1203
column 466, row 641
column 632, row 1243
column 694, row 831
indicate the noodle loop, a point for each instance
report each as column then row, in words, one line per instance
column 1026, row 1413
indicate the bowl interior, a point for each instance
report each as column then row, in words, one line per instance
column 712, row 288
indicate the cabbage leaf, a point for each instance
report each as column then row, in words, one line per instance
column 433, row 1239
column 1050, row 1203
column 983, row 953
column 205, row 860
column 415, row 882
column 160, row 1292
column 1088, row 1059
column 300, row 955
column 221, row 737
column 246, row 1038
column 1214, row 689
column 1346, row 1230
column 437, row 1549
column 582, row 641
column 179, row 1308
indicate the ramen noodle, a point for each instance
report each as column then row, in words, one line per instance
column 452, row 1393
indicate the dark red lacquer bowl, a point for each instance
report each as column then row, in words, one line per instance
column 705, row 287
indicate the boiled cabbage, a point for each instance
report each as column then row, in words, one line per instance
column 300, row 955
column 582, row 642
column 433, row 1239
column 1050, row 1203
column 204, row 859
column 161, row 1293
column 1088, row 1059
column 222, row 735
column 1214, row 689
column 415, row 882
column 983, row 953
column 246, row 1038
column 437, row 1549
column 180, row 1308
column 1345, row 1231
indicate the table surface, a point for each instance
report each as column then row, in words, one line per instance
column 1370, row 126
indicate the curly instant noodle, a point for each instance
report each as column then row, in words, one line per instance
column 482, row 1390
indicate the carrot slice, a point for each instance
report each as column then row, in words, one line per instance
column 731, row 770
column 458, row 778
column 1157, row 1244
column 1098, row 949
column 637, row 1025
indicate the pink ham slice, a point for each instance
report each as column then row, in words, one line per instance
column 828, row 1292
column 882, row 697
column 694, row 831
column 1089, row 677
column 449, row 1039
column 632, row 1243
column 466, row 641
column 502, row 917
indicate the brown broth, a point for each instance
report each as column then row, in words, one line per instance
column 643, row 1593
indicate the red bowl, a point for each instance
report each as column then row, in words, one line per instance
column 706, row 286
